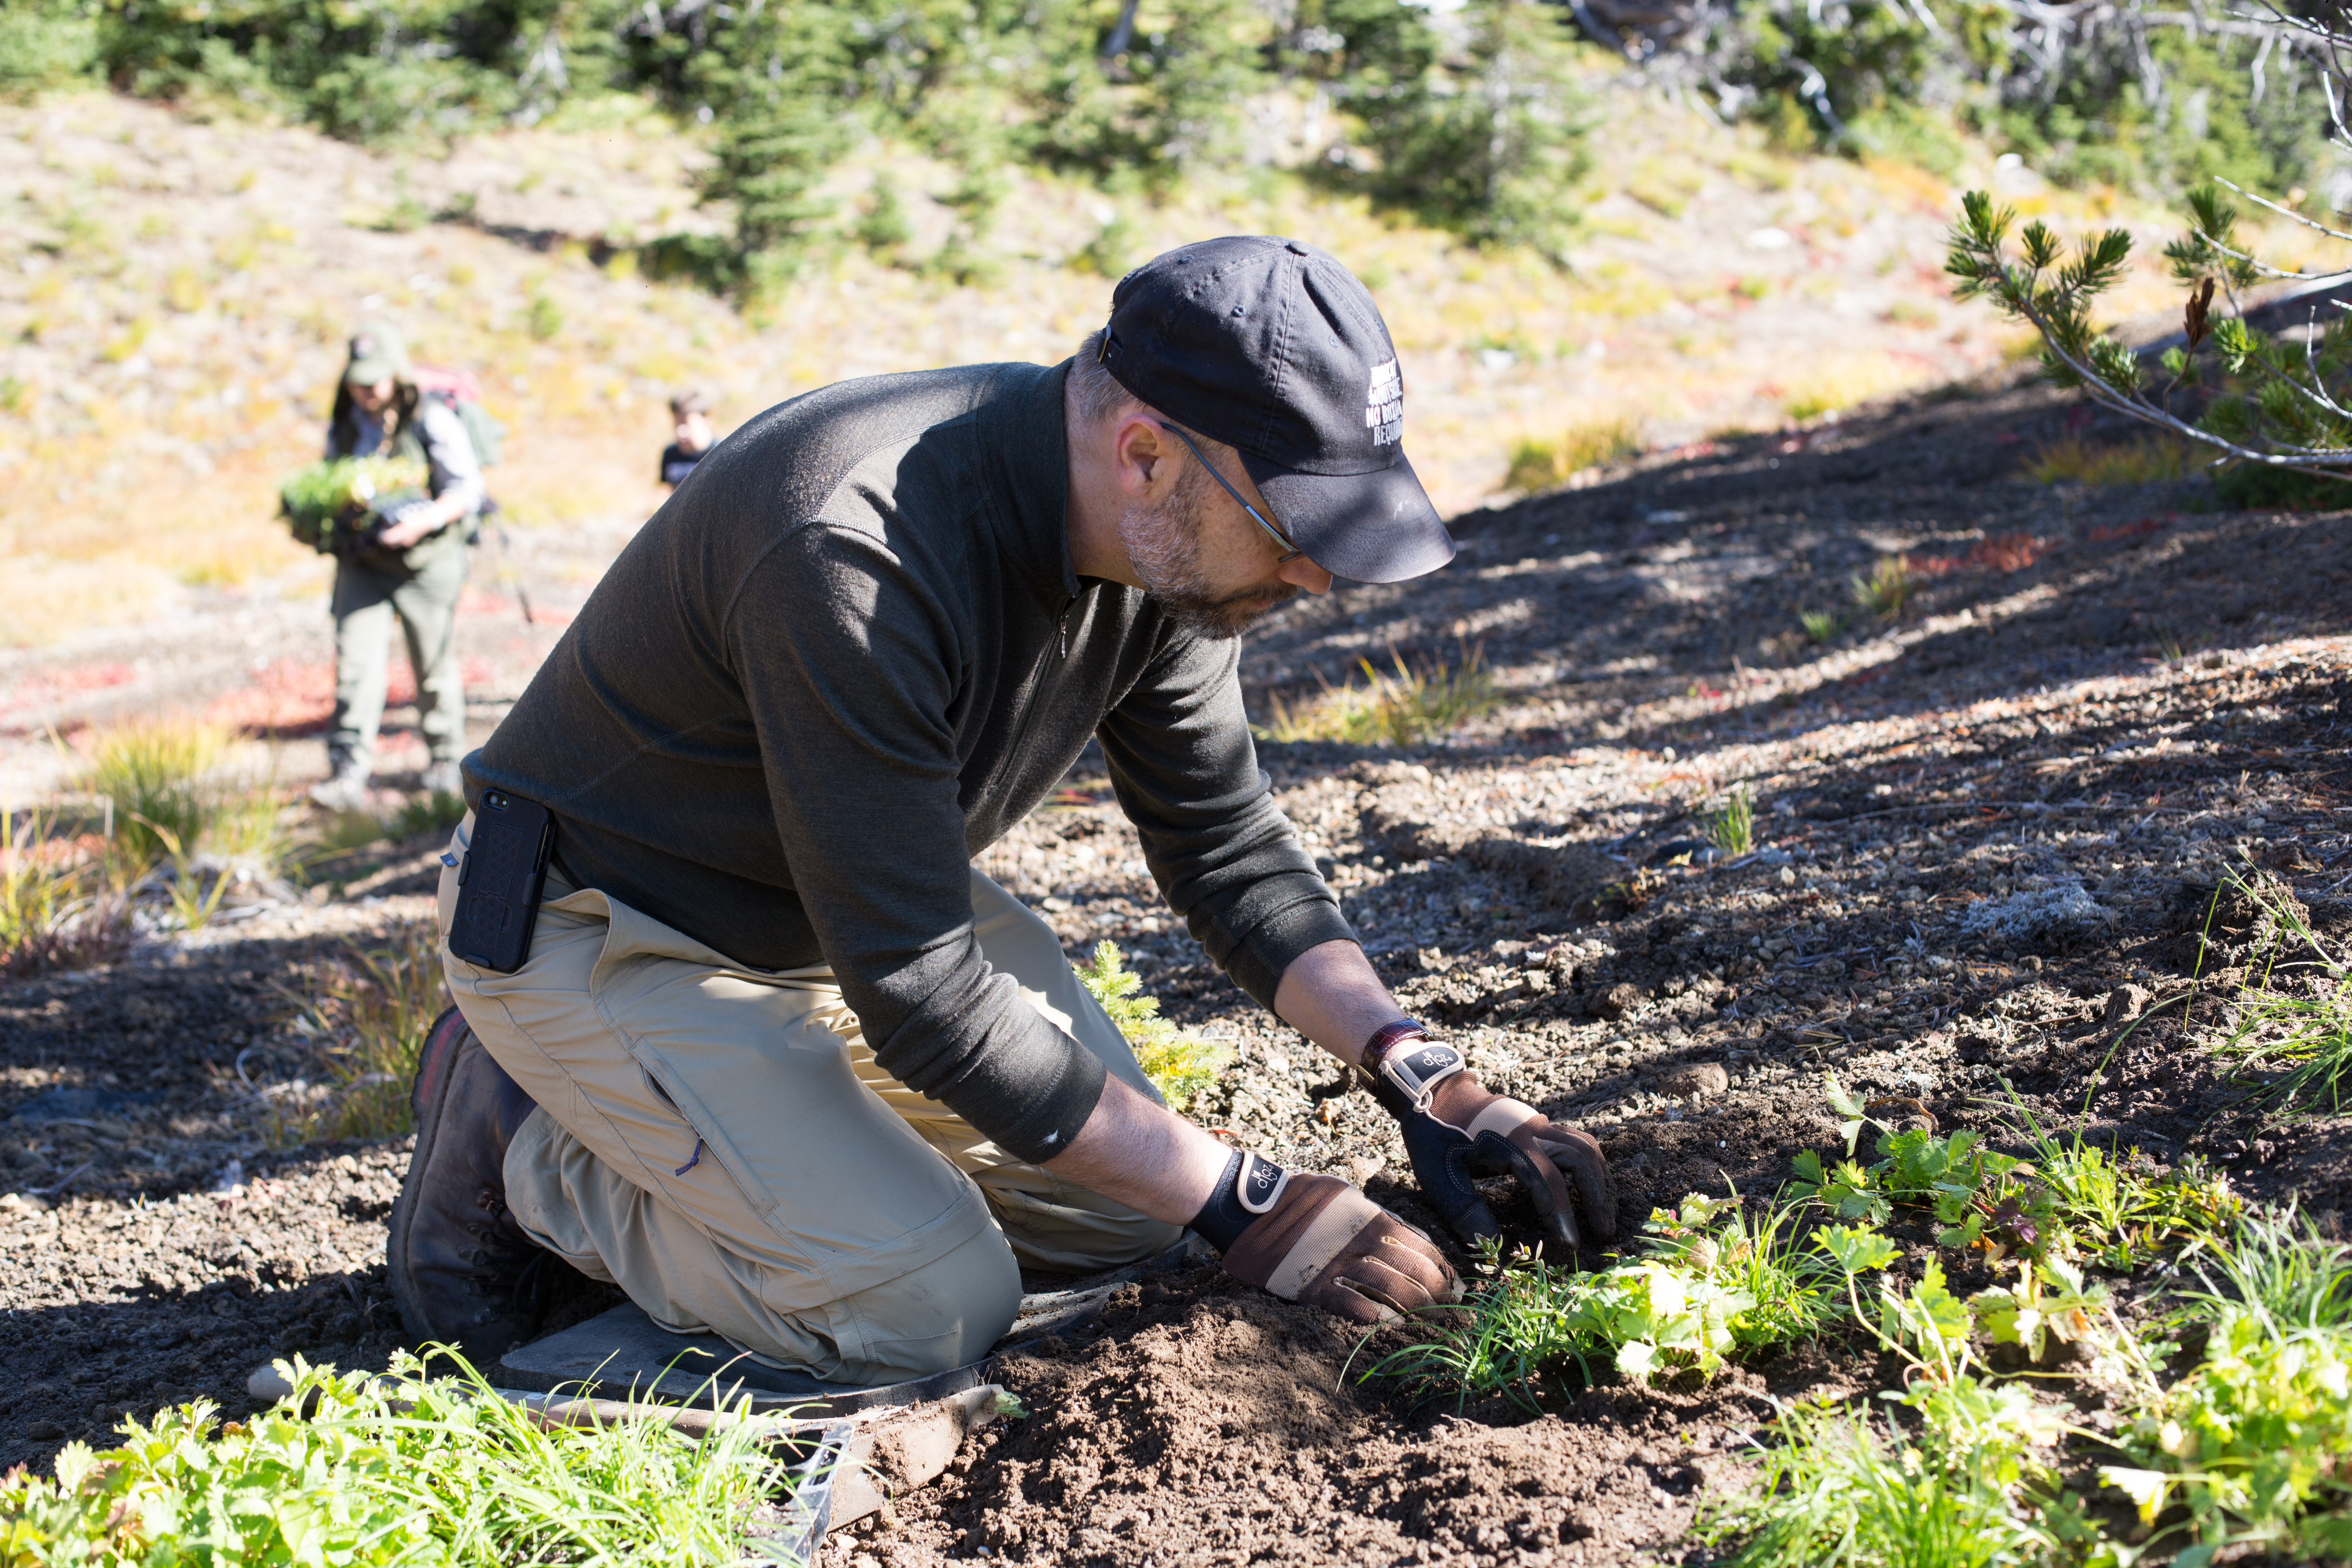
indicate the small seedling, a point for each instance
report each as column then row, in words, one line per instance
column 1886, row 589
column 1733, row 828
column 1820, row 626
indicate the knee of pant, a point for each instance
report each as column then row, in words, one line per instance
column 941, row 1316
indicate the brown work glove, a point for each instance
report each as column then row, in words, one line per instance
column 1455, row 1128
column 1318, row 1240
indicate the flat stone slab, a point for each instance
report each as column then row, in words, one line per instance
column 625, row 1354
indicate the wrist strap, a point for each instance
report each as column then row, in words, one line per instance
column 1244, row 1195
column 1386, row 1037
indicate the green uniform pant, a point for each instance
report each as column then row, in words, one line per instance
column 421, row 593
column 720, row 1142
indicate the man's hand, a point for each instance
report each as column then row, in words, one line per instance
column 410, row 522
column 1455, row 1127
column 1316, row 1239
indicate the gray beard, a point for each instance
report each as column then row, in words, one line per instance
column 1164, row 544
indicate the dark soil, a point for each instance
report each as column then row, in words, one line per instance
column 1985, row 829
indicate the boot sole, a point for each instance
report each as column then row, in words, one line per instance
column 434, row 1073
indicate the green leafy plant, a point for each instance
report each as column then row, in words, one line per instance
column 1963, row 1488
column 353, row 1470
column 1178, row 1063
column 313, row 500
column 1984, row 1199
column 2255, row 1442
column 1714, row 1284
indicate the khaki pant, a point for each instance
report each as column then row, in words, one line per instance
column 423, row 599
column 718, row 1141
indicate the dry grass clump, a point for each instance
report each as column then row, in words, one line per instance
column 2147, row 460
column 1423, row 701
column 1538, row 465
column 1839, row 384
column 60, row 909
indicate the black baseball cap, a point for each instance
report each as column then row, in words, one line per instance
column 1272, row 347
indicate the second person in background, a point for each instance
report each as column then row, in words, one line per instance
column 412, row 569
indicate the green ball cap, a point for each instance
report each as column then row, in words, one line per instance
column 377, row 355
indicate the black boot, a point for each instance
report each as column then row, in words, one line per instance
column 462, row 1269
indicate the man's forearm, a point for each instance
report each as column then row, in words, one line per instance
column 1331, row 995
column 1144, row 1156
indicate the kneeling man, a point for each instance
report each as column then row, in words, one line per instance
column 779, row 1062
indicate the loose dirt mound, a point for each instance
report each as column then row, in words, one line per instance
column 1204, row 1425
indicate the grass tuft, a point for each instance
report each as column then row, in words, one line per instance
column 60, row 907
column 366, row 1019
column 1820, row 626
column 1714, row 1284
column 1733, row 828
column 2295, row 1018
column 356, row 1470
column 1178, row 1063
column 1422, row 702
column 2151, row 459
column 1886, row 589
column 1538, row 465
column 154, row 771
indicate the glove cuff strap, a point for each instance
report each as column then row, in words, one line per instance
column 1246, row 1192
column 1406, row 1080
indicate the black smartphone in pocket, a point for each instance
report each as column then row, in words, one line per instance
column 499, row 881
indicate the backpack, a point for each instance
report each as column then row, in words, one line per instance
column 462, row 395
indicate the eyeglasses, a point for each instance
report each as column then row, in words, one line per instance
column 1289, row 552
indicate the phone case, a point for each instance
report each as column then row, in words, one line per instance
column 499, row 881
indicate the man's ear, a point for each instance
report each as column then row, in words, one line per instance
column 1143, row 456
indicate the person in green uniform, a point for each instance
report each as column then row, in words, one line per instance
column 411, row 566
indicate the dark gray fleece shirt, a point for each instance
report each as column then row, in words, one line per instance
column 842, row 660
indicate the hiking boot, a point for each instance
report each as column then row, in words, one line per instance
column 463, row 1271
column 345, row 793
column 443, row 778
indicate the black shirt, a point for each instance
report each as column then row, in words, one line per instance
column 843, row 662
column 677, row 463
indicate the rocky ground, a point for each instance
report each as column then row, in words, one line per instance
column 1974, row 825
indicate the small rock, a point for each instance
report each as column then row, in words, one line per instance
column 2124, row 1003
column 268, row 1384
column 1693, row 1080
column 44, row 1431
column 1619, row 1000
